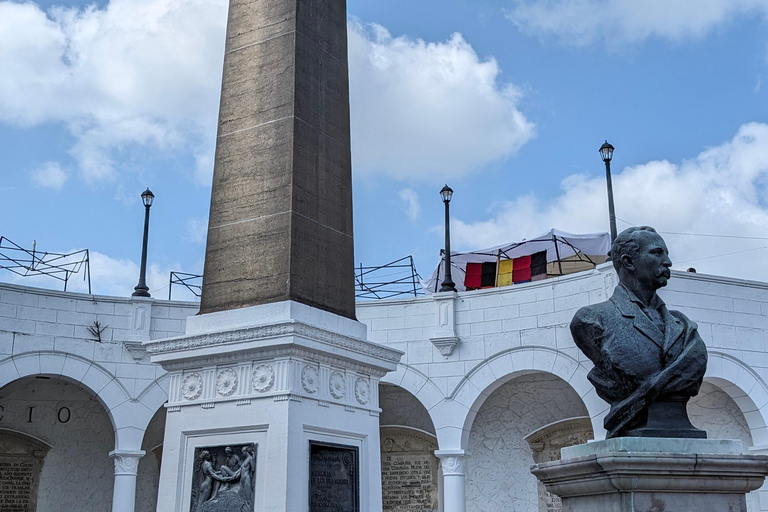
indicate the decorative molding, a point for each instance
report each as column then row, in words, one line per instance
column 323, row 403
column 192, row 386
column 141, row 312
column 445, row 345
column 290, row 351
column 444, row 337
column 245, row 401
column 362, row 391
column 263, row 377
column 126, row 462
column 136, row 349
column 208, row 405
column 226, row 381
column 173, row 408
column 310, row 379
column 337, row 385
column 292, row 328
column 452, row 462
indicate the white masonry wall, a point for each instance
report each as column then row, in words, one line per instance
column 45, row 332
column 496, row 334
column 506, row 332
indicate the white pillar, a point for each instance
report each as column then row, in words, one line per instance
column 452, row 463
column 126, row 468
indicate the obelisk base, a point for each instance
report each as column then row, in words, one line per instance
column 632, row 474
column 292, row 391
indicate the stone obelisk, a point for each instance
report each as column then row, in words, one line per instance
column 273, row 389
column 280, row 225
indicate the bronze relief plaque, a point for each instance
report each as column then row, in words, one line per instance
column 333, row 478
column 224, row 478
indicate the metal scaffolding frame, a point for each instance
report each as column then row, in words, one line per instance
column 27, row 263
column 394, row 279
column 186, row 280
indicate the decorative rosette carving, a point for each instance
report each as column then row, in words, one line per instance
column 263, row 377
column 337, row 384
column 226, row 381
column 362, row 391
column 192, row 386
column 310, row 379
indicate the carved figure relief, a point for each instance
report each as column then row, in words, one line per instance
column 336, row 383
column 224, row 478
column 310, row 379
column 192, row 386
column 226, row 381
column 362, row 391
column 263, row 377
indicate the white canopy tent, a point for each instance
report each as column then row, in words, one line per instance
column 558, row 244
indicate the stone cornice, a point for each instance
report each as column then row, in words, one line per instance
column 257, row 333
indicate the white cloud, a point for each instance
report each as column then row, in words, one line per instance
column 581, row 22
column 423, row 109
column 197, row 231
column 721, row 191
column 137, row 74
column 411, row 203
column 49, row 175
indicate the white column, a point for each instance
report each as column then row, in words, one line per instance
column 452, row 463
column 126, row 468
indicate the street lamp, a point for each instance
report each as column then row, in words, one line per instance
column 448, row 285
column 606, row 153
column 142, row 290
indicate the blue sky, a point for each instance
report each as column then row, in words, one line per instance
column 507, row 101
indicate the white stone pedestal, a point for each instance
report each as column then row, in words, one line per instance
column 279, row 375
column 634, row 474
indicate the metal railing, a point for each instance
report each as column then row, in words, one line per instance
column 31, row 262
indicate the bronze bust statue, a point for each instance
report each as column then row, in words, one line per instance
column 649, row 361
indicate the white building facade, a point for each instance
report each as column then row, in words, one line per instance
column 486, row 377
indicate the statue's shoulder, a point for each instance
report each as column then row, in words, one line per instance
column 592, row 315
column 681, row 316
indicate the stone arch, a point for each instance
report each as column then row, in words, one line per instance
column 468, row 396
column 125, row 414
column 155, row 395
column 745, row 387
column 417, row 384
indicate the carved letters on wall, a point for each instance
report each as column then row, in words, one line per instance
column 408, row 470
column 546, row 444
column 21, row 459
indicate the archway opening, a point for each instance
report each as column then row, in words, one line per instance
column 148, row 476
column 716, row 412
column 498, row 469
column 77, row 473
column 409, row 468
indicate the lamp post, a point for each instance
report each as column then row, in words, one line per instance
column 142, row 290
column 448, row 285
column 606, row 153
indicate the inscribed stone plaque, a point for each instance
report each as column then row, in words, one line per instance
column 21, row 458
column 408, row 470
column 224, row 478
column 546, row 444
column 333, row 478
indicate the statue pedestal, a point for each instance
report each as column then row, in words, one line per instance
column 633, row 474
column 292, row 391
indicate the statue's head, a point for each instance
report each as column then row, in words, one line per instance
column 205, row 455
column 640, row 254
column 228, row 450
